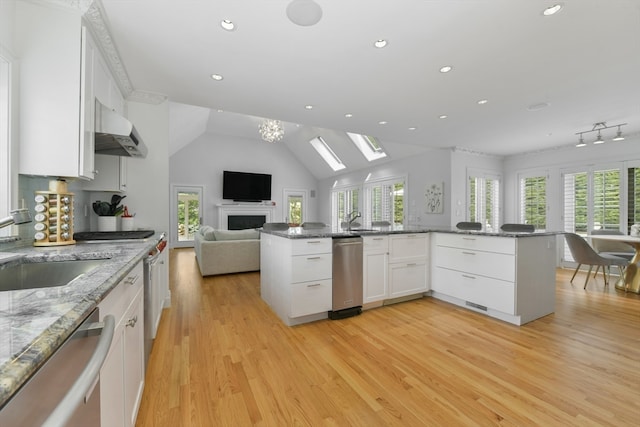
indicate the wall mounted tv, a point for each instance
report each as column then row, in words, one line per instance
column 245, row 186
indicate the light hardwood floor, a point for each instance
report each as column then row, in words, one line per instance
column 223, row 358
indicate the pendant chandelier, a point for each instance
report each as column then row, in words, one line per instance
column 271, row 130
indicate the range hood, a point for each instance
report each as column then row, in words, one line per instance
column 115, row 135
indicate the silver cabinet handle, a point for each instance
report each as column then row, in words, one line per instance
column 468, row 277
column 314, row 285
column 468, row 238
column 132, row 279
column 76, row 394
column 468, row 253
column 314, row 241
column 411, row 264
column 378, row 238
column 313, row 257
column 132, row 322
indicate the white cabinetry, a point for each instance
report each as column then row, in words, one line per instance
column 61, row 68
column 511, row 278
column 122, row 375
column 110, row 174
column 408, row 264
column 295, row 277
column 375, row 260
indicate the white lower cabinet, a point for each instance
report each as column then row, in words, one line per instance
column 122, row 375
column 295, row 277
column 375, row 268
column 408, row 264
column 510, row 278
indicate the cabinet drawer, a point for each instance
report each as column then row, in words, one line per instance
column 311, row 267
column 491, row 293
column 407, row 278
column 504, row 245
column 310, row 298
column 310, row 246
column 375, row 243
column 407, row 246
column 120, row 297
column 490, row 264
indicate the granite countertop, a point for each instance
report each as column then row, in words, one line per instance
column 329, row 232
column 35, row 322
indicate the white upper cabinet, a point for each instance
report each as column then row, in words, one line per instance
column 58, row 66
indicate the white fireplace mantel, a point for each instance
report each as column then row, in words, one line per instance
column 226, row 210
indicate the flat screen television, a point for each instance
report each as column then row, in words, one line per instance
column 246, row 186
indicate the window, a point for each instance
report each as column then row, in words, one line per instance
column 591, row 201
column 327, row 154
column 484, row 199
column 533, row 201
column 633, row 199
column 385, row 201
column 295, row 206
column 5, row 152
column 368, row 146
column 343, row 202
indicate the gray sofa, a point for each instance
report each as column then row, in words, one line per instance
column 227, row 251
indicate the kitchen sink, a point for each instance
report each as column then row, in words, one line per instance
column 30, row 275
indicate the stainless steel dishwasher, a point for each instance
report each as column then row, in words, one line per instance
column 346, row 277
column 65, row 391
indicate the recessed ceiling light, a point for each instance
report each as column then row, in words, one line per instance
column 217, row 77
column 538, row 106
column 382, row 122
column 380, row 43
column 309, row 107
column 552, row 10
column 446, row 69
column 413, row 128
column 348, row 115
column 482, row 101
column 443, row 116
column 227, row 25
column 220, row 111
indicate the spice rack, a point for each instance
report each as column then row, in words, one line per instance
column 54, row 216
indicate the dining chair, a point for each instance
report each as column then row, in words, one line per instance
column 380, row 223
column 518, row 228
column 611, row 247
column 583, row 253
column 313, row 225
column 465, row 225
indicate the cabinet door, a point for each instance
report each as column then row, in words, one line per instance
column 111, row 383
column 374, row 276
column 110, row 174
column 133, row 359
column 90, row 56
column 407, row 278
column 407, row 246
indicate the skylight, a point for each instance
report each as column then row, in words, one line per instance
column 327, row 154
column 368, row 146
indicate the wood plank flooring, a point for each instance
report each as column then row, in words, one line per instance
column 223, row 358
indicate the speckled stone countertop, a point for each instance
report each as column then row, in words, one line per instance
column 35, row 322
column 315, row 233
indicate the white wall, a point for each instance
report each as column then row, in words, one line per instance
column 202, row 162
column 553, row 162
column 432, row 166
column 148, row 178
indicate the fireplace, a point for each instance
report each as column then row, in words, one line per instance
column 237, row 216
column 241, row 222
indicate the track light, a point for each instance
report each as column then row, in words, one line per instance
column 619, row 136
column 599, row 127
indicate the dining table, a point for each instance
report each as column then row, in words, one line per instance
column 630, row 280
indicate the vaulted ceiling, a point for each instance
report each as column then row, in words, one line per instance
column 544, row 77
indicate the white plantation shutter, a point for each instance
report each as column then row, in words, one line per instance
column 606, row 199
column 533, row 201
column 484, row 200
column 383, row 199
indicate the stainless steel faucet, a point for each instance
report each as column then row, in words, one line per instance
column 353, row 216
column 18, row 216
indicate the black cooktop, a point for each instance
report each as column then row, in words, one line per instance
column 113, row 235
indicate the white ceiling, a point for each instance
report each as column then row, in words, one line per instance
column 584, row 62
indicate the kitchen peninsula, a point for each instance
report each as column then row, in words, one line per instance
column 508, row 276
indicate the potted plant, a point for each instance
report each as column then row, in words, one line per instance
column 108, row 213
